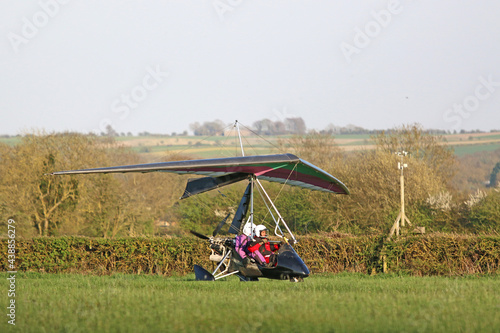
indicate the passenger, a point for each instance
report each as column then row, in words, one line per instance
column 241, row 246
column 260, row 248
column 241, row 243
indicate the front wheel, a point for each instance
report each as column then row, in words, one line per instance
column 297, row 279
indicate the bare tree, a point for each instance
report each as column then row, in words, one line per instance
column 295, row 125
column 30, row 192
column 208, row 128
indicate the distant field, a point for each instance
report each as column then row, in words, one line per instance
column 322, row 303
column 155, row 147
column 474, row 148
column 10, row 141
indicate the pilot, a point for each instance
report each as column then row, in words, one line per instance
column 260, row 248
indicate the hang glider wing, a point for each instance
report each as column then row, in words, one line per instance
column 282, row 168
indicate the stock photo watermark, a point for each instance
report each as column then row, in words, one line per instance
column 11, row 264
column 123, row 105
column 223, row 7
column 471, row 103
column 371, row 30
column 282, row 115
column 30, row 27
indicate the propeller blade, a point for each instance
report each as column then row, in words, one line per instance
column 199, row 235
column 220, row 225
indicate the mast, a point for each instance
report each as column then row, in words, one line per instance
column 239, row 136
column 251, row 203
column 253, row 181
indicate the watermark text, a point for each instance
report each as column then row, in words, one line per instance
column 123, row 105
column 371, row 30
column 11, row 258
column 223, row 7
column 30, row 27
column 460, row 111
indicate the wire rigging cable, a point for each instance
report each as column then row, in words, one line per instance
column 260, row 136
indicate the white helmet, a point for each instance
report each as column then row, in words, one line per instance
column 259, row 229
column 249, row 229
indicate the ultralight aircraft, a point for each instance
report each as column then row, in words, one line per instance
column 282, row 168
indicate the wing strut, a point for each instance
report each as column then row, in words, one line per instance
column 280, row 218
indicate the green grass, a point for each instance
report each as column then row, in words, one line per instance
column 461, row 150
column 11, row 141
column 353, row 136
column 358, row 143
column 489, row 137
column 322, row 303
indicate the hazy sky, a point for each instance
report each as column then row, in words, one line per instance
column 159, row 66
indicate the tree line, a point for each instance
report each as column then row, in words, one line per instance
column 115, row 205
column 267, row 127
column 298, row 126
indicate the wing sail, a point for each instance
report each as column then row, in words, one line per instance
column 200, row 185
column 281, row 168
column 241, row 213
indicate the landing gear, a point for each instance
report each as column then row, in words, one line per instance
column 292, row 279
column 297, row 279
column 247, row 279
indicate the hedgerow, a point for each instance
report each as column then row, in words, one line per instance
column 439, row 254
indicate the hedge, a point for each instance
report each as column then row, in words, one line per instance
column 441, row 254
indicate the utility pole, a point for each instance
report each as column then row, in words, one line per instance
column 402, row 216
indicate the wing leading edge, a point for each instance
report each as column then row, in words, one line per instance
column 282, row 168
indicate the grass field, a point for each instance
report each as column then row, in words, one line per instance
column 474, row 148
column 322, row 303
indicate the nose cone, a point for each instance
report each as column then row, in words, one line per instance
column 289, row 260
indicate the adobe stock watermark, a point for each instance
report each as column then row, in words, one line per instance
column 30, row 27
column 11, row 264
column 282, row 115
column 223, row 7
column 123, row 105
column 371, row 30
column 460, row 111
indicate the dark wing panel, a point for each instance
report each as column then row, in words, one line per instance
column 241, row 213
column 200, row 185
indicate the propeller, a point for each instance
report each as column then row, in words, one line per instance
column 199, row 235
column 216, row 231
column 220, row 225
